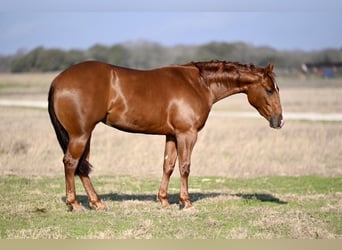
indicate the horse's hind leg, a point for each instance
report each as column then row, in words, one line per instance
column 73, row 154
column 77, row 148
column 94, row 200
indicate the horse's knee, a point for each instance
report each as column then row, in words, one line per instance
column 169, row 165
column 168, row 168
column 184, row 169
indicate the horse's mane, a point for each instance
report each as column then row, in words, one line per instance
column 215, row 65
column 216, row 70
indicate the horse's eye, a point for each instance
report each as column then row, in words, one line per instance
column 269, row 91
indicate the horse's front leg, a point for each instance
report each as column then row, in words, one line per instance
column 185, row 142
column 170, row 157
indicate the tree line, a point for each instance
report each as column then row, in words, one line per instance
column 144, row 55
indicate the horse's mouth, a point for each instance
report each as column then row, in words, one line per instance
column 277, row 122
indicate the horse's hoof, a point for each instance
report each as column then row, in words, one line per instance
column 164, row 203
column 77, row 209
column 190, row 208
column 185, row 204
column 98, row 207
column 166, row 208
column 185, row 207
column 101, row 209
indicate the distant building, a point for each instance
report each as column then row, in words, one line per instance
column 325, row 70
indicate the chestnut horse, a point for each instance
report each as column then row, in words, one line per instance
column 173, row 101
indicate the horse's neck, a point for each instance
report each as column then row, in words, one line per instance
column 225, row 87
column 227, row 78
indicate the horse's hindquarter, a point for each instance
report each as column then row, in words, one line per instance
column 81, row 95
column 156, row 101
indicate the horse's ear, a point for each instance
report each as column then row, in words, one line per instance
column 269, row 68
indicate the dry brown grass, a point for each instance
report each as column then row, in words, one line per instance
column 232, row 147
column 25, row 86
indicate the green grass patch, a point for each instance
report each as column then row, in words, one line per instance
column 259, row 208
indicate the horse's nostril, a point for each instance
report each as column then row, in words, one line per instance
column 276, row 122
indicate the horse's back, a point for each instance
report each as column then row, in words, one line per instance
column 83, row 74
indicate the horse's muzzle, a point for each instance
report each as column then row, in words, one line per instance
column 277, row 121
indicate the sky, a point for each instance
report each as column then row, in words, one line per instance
column 287, row 25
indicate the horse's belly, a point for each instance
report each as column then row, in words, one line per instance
column 147, row 123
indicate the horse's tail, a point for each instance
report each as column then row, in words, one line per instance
column 61, row 133
column 83, row 167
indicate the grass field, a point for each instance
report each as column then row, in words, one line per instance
column 247, row 180
column 261, row 208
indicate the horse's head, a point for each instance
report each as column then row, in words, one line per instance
column 263, row 94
